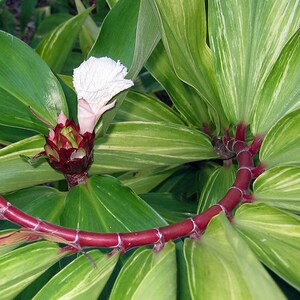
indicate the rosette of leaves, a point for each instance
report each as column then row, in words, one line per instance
column 220, row 64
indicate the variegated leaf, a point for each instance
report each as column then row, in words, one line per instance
column 20, row 267
column 148, row 275
column 279, row 187
column 281, row 93
column 185, row 98
column 281, row 145
column 221, row 266
column 79, row 279
column 247, row 38
column 275, row 238
column 183, row 27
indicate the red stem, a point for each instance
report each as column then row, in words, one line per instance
column 240, row 134
column 256, row 144
column 156, row 236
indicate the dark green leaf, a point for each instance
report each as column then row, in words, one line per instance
column 56, row 46
column 25, row 80
column 216, row 187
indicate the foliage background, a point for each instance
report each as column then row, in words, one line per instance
column 193, row 62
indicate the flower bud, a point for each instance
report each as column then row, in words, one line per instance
column 69, row 151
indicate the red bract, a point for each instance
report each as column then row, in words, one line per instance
column 69, row 151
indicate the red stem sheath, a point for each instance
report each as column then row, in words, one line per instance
column 240, row 134
column 256, row 144
column 125, row 241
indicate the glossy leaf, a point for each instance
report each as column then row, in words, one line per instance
column 20, row 267
column 279, row 187
column 79, row 280
column 42, row 202
column 25, row 80
column 56, row 46
column 129, row 146
column 281, row 145
column 221, row 266
column 170, row 207
column 183, row 27
column 16, row 173
column 148, row 275
column 104, row 205
column 281, row 93
column 10, row 135
column 145, row 180
column 274, row 236
column 216, row 187
column 142, row 107
column 185, row 98
column 136, row 145
column 247, row 38
column 129, row 37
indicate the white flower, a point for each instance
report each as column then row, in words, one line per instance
column 96, row 82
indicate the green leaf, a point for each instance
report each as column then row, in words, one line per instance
column 27, row 9
column 143, row 107
column 247, row 38
column 129, row 146
column 42, row 202
column 221, row 266
column 170, row 207
column 274, row 237
column 7, row 21
column 10, row 135
column 183, row 27
column 56, row 46
column 136, row 145
column 25, row 80
column 216, row 187
column 148, row 275
column 281, row 92
column 79, row 280
column 20, row 267
column 185, row 98
column 103, row 204
column 48, row 24
column 89, row 24
column 281, row 145
column 279, row 187
column 130, row 38
column 145, row 180
column 16, row 173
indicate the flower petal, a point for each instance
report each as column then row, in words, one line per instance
column 62, row 118
column 87, row 118
column 99, row 79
